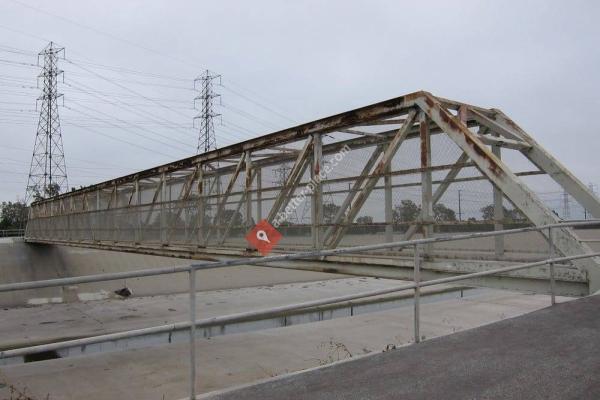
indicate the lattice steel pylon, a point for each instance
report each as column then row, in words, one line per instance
column 48, row 172
column 207, row 140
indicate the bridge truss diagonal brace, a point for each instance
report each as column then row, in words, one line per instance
column 292, row 180
column 354, row 191
column 503, row 178
column 221, row 205
column 155, row 197
column 184, row 195
column 250, row 176
column 374, row 177
column 542, row 159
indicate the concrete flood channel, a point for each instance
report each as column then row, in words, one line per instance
column 240, row 352
column 59, row 321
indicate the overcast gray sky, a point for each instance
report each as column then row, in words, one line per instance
column 284, row 62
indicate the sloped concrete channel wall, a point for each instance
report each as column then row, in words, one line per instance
column 20, row 262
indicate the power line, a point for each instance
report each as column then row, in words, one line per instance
column 259, row 104
column 250, row 117
column 130, row 90
column 134, row 126
column 151, row 50
column 144, row 113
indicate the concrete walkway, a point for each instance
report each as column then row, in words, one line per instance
column 553, row 353
column 226, row 361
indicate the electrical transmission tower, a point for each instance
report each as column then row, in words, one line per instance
column 48, row 172
column 207, row 140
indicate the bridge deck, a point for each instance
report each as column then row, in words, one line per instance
column 552, row 353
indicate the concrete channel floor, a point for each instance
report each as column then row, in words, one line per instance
column 27, row 326
column 553, row 353
column 161, row 372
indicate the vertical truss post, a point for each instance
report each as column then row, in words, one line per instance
column 258, row 194
column 248, row 191
column 115, row 223
column 551, row 253
column 389, row 227
column 317, row 195
column 96, row 233
column 417, row 294
column 163, row 209
column 192, row 296
column 498, row 211
column 218, row 186
column 441, row 189
column 138, row 213
column 68, row 216
column 201, row 207
column 426, row 190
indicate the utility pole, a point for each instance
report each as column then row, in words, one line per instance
column 207, row 140
column 48, row 172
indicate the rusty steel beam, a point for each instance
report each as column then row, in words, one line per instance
column 370, row 183
column 292, row 179
column 385, row 109
column 358, row 181
column 426, row 189
column 512, row 187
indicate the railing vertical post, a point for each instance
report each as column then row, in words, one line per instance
column 551, row 264
column 192, row 277
column 417, row 280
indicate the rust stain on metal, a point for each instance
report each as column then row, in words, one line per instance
column 456, row 126
column 424, row 145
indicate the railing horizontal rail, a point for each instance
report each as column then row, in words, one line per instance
column 232, row 318
column 275, row 258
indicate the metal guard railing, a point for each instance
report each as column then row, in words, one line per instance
column 12, row 233
column 193, row 323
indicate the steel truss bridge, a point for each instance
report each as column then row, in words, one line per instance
column 343, row 177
